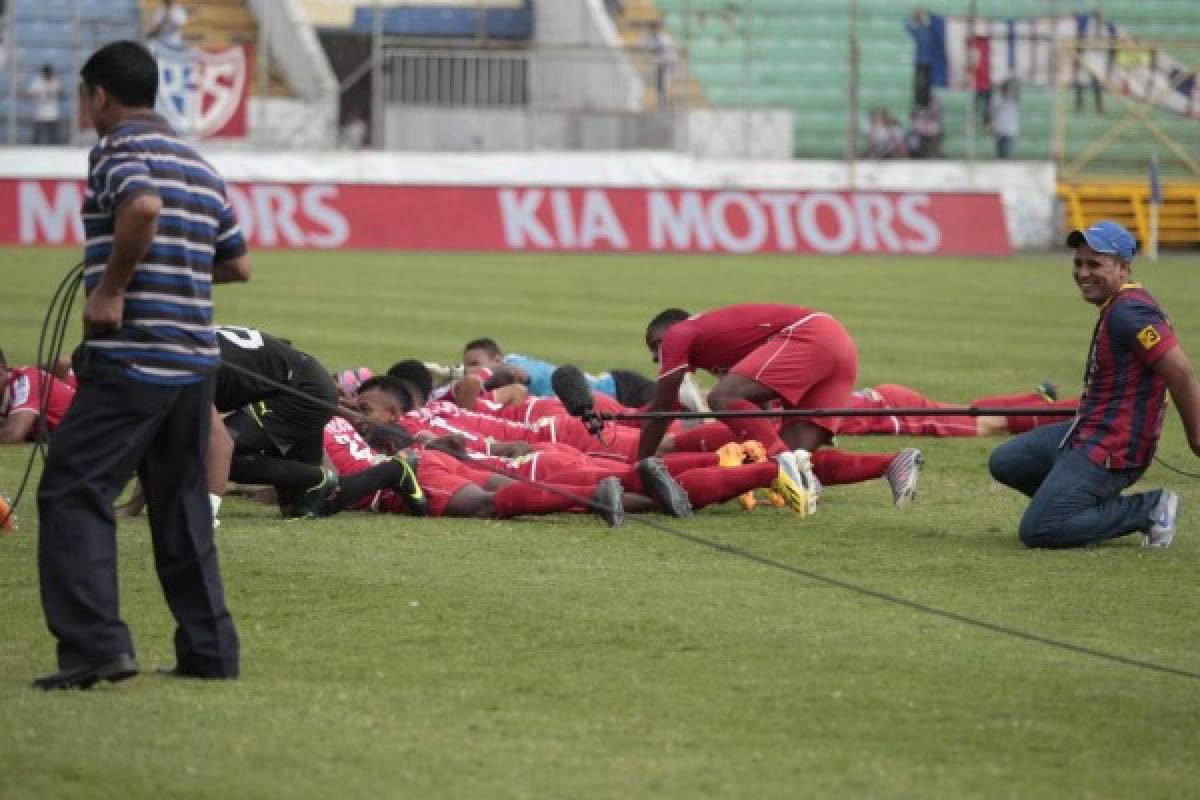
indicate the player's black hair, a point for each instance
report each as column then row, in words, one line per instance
column 483, row 343
column 416, row 373
column 668, row 317
column 392, row 387
column 126, row 70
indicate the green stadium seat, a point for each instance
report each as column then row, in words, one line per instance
column 793, row 54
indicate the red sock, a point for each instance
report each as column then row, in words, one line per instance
column 1020, row 424
column 719, row 484
column 763, row 429
column 682, row 462
column 833, row 466
column 584, row 479
column 1009, row 400
column 522, row 498
column 703, row 438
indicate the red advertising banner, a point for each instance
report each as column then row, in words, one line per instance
column 321, row 215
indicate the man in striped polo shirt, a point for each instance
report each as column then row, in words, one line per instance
column 160, row 232
column 1075, row 471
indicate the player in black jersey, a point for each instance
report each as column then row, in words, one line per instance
column 278, row 434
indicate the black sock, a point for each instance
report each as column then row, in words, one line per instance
column 258, row 468
column 355, row 487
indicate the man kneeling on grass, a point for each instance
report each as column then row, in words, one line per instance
column 1075, row 471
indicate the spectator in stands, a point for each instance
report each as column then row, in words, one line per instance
column 615, row 8
column 979, row 76
column 884, row 136
column 1084, row 77
column 921, row 31
column 1006, row 118
column 46, row 91
column 167, row 26
column 927, row 128
column 662, row 48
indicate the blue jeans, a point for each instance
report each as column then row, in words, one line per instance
column 1075, row 502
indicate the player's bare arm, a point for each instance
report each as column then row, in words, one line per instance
column 666, row 392
column 18, row 427
column 1177, row 371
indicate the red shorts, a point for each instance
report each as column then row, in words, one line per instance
column 812, row 363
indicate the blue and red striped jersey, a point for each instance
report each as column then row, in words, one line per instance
column 1123, row 402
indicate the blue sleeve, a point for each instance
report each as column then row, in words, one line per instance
column 539, row 373
column 1142, row 329
column 116, row 176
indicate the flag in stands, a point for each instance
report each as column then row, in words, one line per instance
column 1067, row 50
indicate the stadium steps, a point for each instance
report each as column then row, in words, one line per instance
column 633, row 26
column 223, row 23
column 1128, row 202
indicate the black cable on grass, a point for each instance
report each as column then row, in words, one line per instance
column 747, row 555
column 55, row 323
column 1177, row 470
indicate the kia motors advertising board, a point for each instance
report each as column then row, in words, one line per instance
column 402, row 217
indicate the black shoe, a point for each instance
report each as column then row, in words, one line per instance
column 318, row 498
column 606, row 502
column 665, row 490
column 185, row 674
column 414, row 496
column 86, row 676
column 1047, row 390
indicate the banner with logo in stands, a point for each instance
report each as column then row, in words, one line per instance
column 202, row 92
column 328, row 215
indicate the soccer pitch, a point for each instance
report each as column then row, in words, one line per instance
column 553, row 657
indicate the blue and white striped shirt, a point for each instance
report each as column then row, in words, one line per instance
column 166, row 335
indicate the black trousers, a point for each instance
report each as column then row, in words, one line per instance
column 117, row 425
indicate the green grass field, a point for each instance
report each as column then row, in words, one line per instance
column 389, row 657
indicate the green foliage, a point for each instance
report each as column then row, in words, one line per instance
column 389, row 657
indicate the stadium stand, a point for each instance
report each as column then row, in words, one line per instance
column 57, row 32
column 220, row 23
column 793, row 54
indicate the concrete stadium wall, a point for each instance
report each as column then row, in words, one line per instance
column 707, row 133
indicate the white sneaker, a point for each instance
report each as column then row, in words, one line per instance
column 902, row 475
column 796, row 482
column 1162, row 521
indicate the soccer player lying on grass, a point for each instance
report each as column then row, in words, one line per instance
column 21, row 392
column 767, row 354
column 627, row 387
column 674, row 484
column 892, row 395
column 475, row 388
column 276, row 434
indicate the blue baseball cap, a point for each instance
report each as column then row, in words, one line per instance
column 1107, row 237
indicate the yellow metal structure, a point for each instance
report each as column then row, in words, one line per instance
column 1128, row 203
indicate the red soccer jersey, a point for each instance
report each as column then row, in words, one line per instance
column 350, row 454
column 23, row 394
column 718, row 339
